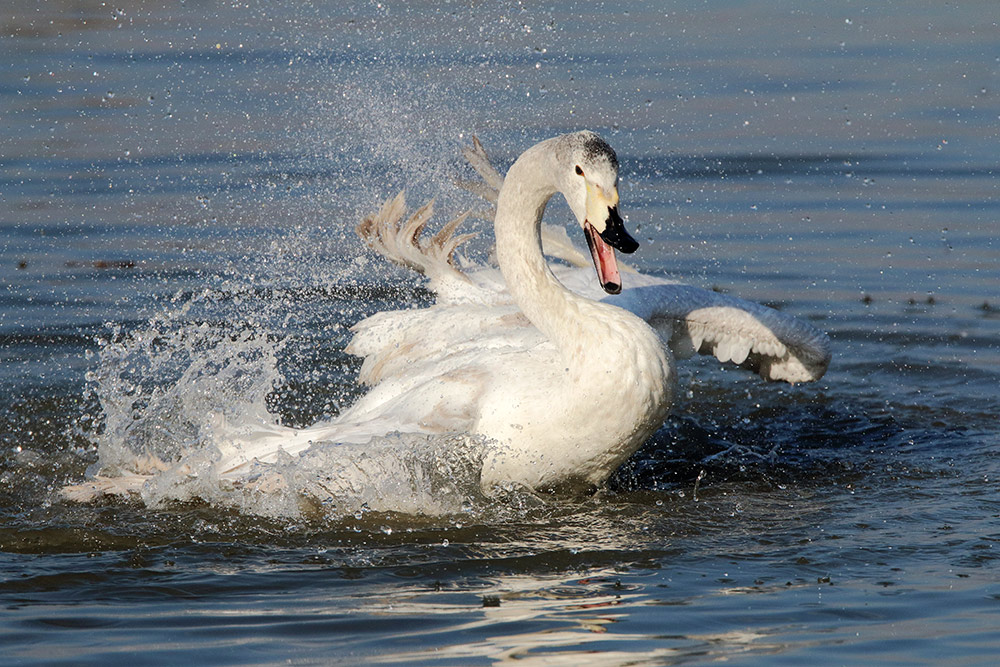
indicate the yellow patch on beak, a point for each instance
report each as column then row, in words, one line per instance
column 598, row 204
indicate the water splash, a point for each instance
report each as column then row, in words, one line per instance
column 172, row 392
column 161, row 386
column 268, row 329
column 400, row 473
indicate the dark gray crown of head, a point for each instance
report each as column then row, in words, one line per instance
column 595, row 148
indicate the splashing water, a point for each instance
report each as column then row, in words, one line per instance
column 160, row 388
column 268, row 331
column 173, row 392
column 404, row 473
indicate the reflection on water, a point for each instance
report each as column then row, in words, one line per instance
column 578, row 616
column 203, row 166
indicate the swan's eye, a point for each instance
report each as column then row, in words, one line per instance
column 579, row 171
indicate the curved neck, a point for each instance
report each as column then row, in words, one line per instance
column 526, row 190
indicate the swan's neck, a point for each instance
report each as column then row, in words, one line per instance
column 618, row 383
column 542, row 298
column 572, row 322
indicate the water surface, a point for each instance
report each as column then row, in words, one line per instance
column 194, row 174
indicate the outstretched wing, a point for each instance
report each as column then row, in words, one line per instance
column 692, row 320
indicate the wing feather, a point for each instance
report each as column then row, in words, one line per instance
column 694, row 320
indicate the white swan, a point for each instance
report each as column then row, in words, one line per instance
column 564, row 386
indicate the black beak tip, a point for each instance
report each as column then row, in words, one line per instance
column 612, row 288
column 614, row 234
column 629, row 245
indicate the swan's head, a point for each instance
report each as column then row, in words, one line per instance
column 590, row 184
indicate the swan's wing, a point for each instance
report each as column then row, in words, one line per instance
column 433, row 364
column 402, row 243
column 557, row 243
column 425, row 372
column 774, row 344
column 392, row 341
column 489, row 188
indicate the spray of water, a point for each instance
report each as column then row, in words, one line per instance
column 171, row 391
column 258, row 344
column 266, row 332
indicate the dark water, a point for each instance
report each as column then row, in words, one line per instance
column 203, row 166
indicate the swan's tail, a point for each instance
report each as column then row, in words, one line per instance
column 387, row 234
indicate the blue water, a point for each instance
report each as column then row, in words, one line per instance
column 204, row 166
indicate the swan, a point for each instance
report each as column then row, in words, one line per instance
column 563, row 376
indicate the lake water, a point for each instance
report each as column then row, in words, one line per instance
column 178, row 191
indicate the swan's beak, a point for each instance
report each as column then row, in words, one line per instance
column 605, row 231
column 604, row 260
column 614, row 233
